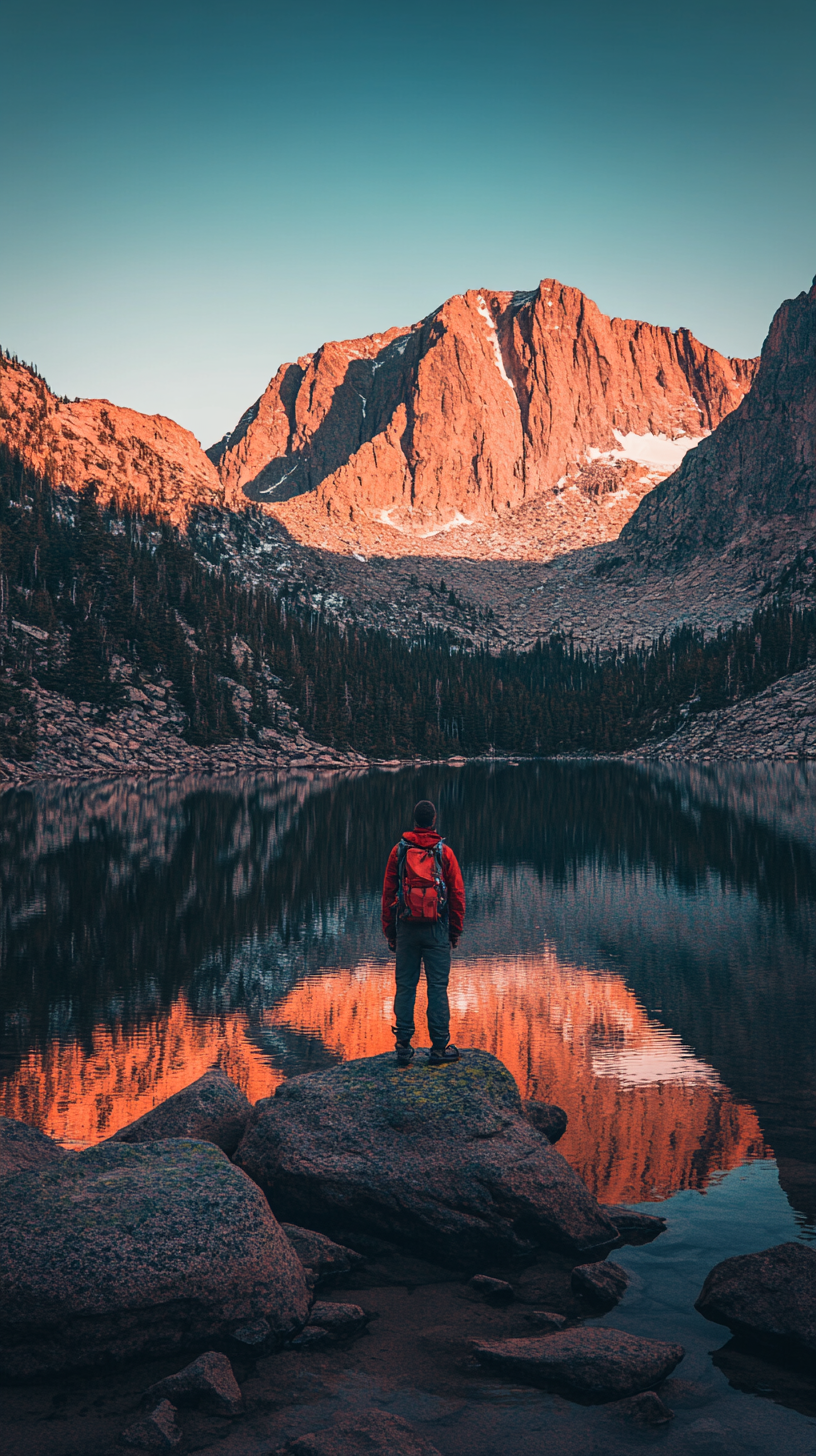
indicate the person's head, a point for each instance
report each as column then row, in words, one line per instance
column 424, row 814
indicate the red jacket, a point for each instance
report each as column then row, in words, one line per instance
column 452, row 874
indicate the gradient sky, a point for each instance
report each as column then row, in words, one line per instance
column 194, row 193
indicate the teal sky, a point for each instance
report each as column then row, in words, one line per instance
column 194, row 193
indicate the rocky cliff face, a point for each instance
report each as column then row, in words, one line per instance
column 751, row 487
column 494, row 401
column 143, row 460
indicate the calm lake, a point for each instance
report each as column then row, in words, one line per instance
column 640, row 948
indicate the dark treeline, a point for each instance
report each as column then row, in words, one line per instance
column 107, row 585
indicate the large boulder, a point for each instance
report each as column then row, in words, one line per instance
column 587, row 1364
column 23, row 1147
column 120, row 1251
column 769, row 1296
column 439, row 1159
column 213, row 1110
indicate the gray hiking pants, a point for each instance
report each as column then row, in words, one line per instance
column 417, row 943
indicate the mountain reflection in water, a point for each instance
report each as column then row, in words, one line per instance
column 639, row 949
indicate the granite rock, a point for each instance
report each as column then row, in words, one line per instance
column 444, row 1161
column 546, row 1118
column 605, row 1282
column 212, row 1110
column 370, row 1433
column 770, row 1296
column 321, row 1254
column 23, row 1147
column 587, row 1364
column 340, row 1320
column 119, row 1251
column 155, row 1432
column 209, row 1383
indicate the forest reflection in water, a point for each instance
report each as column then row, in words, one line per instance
column 639, row 949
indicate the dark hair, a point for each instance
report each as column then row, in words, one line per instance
column 424, row 814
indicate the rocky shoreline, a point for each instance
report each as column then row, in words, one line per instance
column 154, row 1296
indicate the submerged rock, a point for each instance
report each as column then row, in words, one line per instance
column 209, row 1382
column 439, row 1159
column 646, row 1409
column 372, row 1433
column 212, row 1110
column 320, row 1254
column 23, row 1147
column 605, row 1282
column 589, row 1364
column 156, row 1432
column 770, row 1296
column 121, row 1250
column 546, row 1118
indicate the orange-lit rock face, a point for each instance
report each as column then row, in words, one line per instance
column 141, row 460
column 645, row 1118
column 494, row 402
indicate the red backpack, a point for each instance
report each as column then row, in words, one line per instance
column 421, row 890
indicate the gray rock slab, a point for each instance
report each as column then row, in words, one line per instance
column 122, row 1250
column 23, row 1147
column 212, row 1109
column 442, row 1160
column 546, row 1319
column 605, row 1282
column 587, row 1364
column 770, row 1296
column 209, row 1382
column 371, row 1433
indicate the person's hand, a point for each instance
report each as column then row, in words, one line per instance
column 454, row 940
column 392, row 946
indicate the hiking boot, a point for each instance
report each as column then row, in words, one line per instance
column 441, row 1056
column 405, row 1053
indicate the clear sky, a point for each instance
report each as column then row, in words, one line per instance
column 193, row 193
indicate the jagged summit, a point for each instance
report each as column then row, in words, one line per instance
column 494, row 401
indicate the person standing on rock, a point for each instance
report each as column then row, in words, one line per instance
column 423, row 914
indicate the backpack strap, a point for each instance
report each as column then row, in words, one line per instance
column 402, row 850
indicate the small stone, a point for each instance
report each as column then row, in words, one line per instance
column 632, row 1221
column 369, row 1433
column 546, row 1118
column 605, row 1282
column 312, row 1336
column 209, row 1382
column 320, row 1253
column 546, row 1319
column 156, row 1432
column 497, row 1291
column 646, row 1409
column 341, row 1320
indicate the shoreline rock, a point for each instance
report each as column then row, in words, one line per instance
column 211, row 1109
column 591, row 1365
column 122, row 1251
column 769, row 1297
column 23, row 1147
column 442, row 1160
